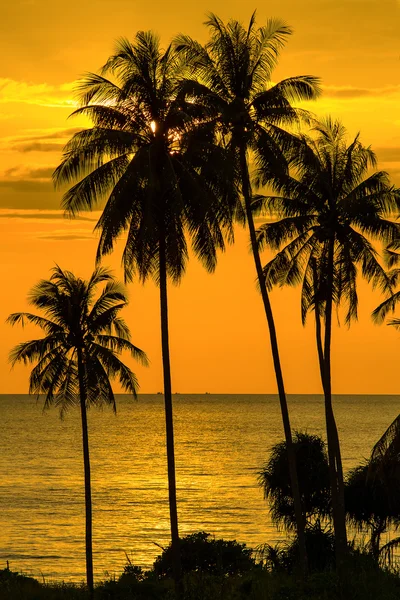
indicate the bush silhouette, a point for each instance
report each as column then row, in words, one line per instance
column 201, row 552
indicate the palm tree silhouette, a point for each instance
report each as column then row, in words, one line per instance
column 328, row 214
column 232, row 75
column 79, row 354
column 152, row 157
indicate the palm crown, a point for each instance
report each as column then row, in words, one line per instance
column 233, row 76
column 331, row 200
column 76, row 320
column 152, row 157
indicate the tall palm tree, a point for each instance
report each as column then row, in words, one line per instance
column 232, row 75
column 152, row 158
column 329, row 212
column 78, row 354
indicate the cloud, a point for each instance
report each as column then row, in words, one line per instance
column 387, row 154
column 20, row 171
column 66, row 237
column 394, row 175
column 50, row 134
column 42, row 140
column 26, row 179
column 27, row 186
column 42, row 94
column 42, row 215
column 349, row 92
column 39, row 147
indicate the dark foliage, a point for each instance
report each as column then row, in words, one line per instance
column 284, row 557
column 313, row 473
column 200, row 552
column 372, row 495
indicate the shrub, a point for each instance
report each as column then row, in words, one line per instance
column 200, row 552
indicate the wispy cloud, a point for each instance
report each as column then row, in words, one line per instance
column 394, row 174
column 22, row 178
column 388, row 154
column 22, row 171
column 26, row 185
column 39, row 147
column 48, row 134
column 40, row 140
column 42, row 94
column 67, row 237
column 42, row 215
column 349, row 92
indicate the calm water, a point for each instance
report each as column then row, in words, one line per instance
column 221, row 441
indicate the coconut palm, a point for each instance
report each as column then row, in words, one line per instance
column 79, row 354
column 232, row 75
column 152, row 158
column 329, row 212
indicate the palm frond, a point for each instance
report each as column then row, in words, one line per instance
column 20, row 318
column 118, row 344
column 389, row 442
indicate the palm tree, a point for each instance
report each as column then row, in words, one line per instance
column 153, row 159
column 79, row 354
column 232, row 75
column 328, row 214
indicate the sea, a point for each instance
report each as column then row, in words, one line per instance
column 221, row 442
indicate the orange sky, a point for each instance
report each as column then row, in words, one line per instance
column 219, row 340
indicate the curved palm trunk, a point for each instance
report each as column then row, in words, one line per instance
column 300, row 521
column 169, row 425
column 334, row 454
column 86, row 464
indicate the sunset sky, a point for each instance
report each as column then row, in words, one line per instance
column 219, row 340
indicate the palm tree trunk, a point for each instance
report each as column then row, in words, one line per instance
column 332, row 470
column 300, row 520
column 334, row 455
column 328, row 418
column 318, row 331
column 169, row 425
column 86, row 464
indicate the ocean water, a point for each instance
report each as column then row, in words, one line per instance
column 221, row 442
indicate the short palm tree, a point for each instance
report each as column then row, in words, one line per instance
column 79, row 354
column 231, row 74
column 329, row 212
column 152, row 158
